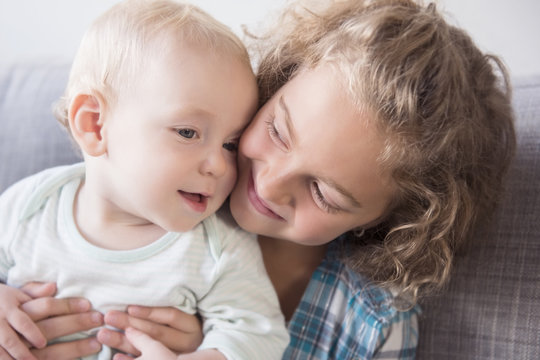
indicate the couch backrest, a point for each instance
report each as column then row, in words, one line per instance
column 30, row 138
column 491, row 308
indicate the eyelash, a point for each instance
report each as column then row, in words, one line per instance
column 319, row 197
column 321, row 200
column 231, row 146
column 274, row 133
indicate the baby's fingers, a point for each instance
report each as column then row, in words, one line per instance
column 116, row 340
column 150, row 348
column 170, row 330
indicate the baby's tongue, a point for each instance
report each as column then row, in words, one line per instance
column 192, row 197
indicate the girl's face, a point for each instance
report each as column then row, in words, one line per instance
column 308, row 169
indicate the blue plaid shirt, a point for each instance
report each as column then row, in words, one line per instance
column 341, row 316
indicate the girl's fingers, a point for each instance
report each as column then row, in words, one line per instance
column 45, row 307
column 167, row 315
column 21, row 323
column 13, row 321
column 11, row 347
column 68, row 350
column 58, row 326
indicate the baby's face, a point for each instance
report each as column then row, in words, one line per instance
column 172, row 136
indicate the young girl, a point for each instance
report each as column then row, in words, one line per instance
column 383, row 141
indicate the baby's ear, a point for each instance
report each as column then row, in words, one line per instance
column 86, row 123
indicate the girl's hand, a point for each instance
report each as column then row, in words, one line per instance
column 59, row 317
column 176, row 330
column 149, row 348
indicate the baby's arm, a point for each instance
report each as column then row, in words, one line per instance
column 14, row 320
column 151, row 349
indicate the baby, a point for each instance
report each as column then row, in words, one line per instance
column 157, row 98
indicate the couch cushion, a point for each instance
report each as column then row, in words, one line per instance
column 491, row 308
column 31, row 139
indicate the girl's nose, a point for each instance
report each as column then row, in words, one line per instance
column 276, row 185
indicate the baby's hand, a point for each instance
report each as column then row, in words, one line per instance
column 14, row 321
column 149, row 348
column 178, row 331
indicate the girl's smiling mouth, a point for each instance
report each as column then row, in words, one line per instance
column 258, row 203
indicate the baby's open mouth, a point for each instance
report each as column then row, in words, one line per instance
column 195, row 197
column 196, row 201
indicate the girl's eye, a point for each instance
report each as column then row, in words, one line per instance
column 231, row 146
column 320, row 200
column 274, row 133
column 187, row 133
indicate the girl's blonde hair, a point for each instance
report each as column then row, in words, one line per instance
column 117, row 46
column 443, row 107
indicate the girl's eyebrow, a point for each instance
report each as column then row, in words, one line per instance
column 288, row 121
column 340, row 189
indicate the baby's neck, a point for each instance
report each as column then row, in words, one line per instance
column 100, row 225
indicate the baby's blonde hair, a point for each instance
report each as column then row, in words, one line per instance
column 442, row 105
column 117, row 46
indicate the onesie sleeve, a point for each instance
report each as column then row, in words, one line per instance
column 24, row 198
column 241, row 313
column 12, row 200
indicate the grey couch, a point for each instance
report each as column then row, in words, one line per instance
column 490, row 309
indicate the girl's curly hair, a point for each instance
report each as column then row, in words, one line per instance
column 443, row 106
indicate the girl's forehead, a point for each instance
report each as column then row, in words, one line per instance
column 334, row 139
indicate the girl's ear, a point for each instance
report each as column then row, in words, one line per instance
column 86, row 124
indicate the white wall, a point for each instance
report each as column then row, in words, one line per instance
column 510, row 29
column 51, row 29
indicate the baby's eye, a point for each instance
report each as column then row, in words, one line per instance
column 231, row 146
column 187, row 133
